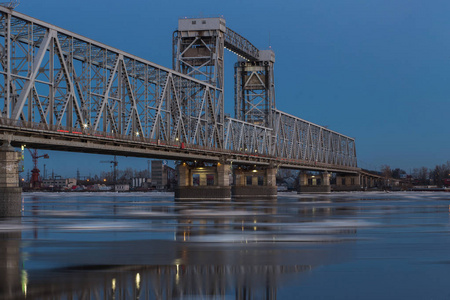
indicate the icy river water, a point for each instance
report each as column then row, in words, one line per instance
column 371, row 245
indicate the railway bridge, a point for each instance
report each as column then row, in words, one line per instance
column 62, row 91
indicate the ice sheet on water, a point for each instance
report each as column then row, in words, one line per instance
column 148, row 214
column 9, row 227
column 375, row 195
column 95, row 194
column 60, row 213
column 257, row 238
column 215, row 213
column 100, row 225
column 327, row 225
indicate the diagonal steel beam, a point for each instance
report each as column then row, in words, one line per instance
column 106, row 94
column 43, row 47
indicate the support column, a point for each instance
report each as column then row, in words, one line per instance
column 326, row 178
column 203, row 182
column 302, row 179
column 314, row 184
column 223, row 174
column 255, row 183
column 183, row 175
column 10, row 192
column 349, row 182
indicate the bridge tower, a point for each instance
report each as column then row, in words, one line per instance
column 198, row 49
column 255, row 89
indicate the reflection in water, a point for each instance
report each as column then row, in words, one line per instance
column 164, row 282
column 95, row 247
column 195, row 270
column 10, row 271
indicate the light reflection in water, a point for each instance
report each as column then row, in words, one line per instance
column 24, row 280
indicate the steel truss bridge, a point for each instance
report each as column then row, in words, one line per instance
column 63, row 91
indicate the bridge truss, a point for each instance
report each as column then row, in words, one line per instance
column 54, row 77
column 297, row 139
column 60, row 90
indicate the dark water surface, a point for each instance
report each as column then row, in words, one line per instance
column 146, row 246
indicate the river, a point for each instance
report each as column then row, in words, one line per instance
column 362, row 245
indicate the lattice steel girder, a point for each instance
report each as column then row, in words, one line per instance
column 52, row 76
column 298, row 139
column 241, row 46
column 255, row 89
column 246, row 137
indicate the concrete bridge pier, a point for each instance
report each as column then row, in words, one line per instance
column 255, row 183
column 10, row 192
column 314, row 184
column 198, row 182
column 367, row 182
column 350, row 182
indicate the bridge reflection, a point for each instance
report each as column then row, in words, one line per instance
column 163, row 282
column 225, row 255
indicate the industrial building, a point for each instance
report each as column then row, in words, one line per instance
column 59, row 183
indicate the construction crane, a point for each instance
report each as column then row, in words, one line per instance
column 35, row 181
column 114, row 163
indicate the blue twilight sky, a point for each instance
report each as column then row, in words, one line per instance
column 375, row 70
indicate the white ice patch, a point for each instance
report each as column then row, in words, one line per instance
column 27, row 195
column 255, row 238
column 8, row 227
column 217, row 213
column 60, row 213
column 327, row 226
column 148, row 214
column 100, row 226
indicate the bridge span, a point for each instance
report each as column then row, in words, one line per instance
column 63, row 91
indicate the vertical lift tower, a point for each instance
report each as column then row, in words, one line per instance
column 255, row 89
column 198, row 48
column 198, row 51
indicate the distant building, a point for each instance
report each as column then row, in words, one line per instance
column 71, row 182
column 159, row 174
column 59, row 183
column 99, row 187
column 139, row 182
column 122, row 187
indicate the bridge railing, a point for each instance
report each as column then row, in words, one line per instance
column 42, row 128
column 168, row 148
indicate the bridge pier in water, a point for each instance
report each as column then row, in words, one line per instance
column 10, row 192
column 198, row 182
column 350, row 182
column 314, row 184
column 257, row 183
column 203, row 182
